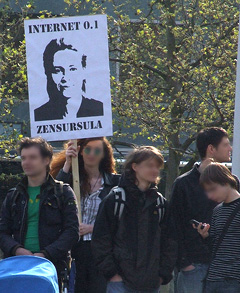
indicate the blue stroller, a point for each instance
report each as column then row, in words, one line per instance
column 28, row 274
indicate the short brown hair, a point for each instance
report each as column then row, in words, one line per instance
column 45, row 148
column 218, row 173
column 139, row 155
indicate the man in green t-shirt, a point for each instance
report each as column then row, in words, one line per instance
column 39, row 217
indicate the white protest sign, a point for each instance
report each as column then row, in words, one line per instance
column 68, row 77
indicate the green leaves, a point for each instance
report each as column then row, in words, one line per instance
column 173, row 66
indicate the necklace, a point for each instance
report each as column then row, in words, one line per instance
column 91, row 191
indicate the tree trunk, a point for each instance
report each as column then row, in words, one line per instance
column 172, row 171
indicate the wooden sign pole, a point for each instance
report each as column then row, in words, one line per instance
column 76, row 183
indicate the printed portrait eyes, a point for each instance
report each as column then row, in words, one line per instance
column 57, row 70
column 73, row 69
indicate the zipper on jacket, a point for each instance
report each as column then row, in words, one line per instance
column 23, row 223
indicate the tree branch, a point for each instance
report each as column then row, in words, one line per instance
column 220, row 38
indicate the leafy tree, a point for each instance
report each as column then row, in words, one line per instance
column 13, row 81
column 175, row 67
column 177, row 73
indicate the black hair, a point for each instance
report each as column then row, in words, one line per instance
column 209, row 136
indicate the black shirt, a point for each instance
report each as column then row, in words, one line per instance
column 189, row 201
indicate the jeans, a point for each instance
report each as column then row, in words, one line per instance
column 192, row 281
column 119, row 287
column 223, row 286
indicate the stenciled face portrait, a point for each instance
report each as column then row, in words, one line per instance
column 64, row 67
column 67, row 72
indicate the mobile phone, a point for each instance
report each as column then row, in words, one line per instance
column 196, row 223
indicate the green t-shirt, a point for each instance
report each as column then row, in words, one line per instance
column 31, row 240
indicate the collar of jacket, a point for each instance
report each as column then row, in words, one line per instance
column 195, row 170
column 48, row 184
column 132, row 189
column 107, row 178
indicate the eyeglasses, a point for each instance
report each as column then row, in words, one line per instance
column 96, row 151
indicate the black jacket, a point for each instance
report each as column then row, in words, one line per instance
column 58, row 225
column 189, row 201
column 110, row 180
column 54, row 110
column 135, row 246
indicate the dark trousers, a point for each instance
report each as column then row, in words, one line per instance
column 88, row 279
column 222, row 286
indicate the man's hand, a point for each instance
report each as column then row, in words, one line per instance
column 188, row 268
column 203, row 232
column 116, row 278
column 85, row 229
column 39, row 254
column 22, row 251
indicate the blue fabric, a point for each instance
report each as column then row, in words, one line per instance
column 72, row 278
column 192, row 281
column 222, row 286
column 120, row 287
column 27, row 274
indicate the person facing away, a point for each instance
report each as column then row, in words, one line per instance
column 97, row 178
column 131, row 248
column 224, row 270
column 189, row 201
column 39, row 217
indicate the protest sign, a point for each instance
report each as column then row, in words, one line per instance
column 68, row 77
column 68, row 80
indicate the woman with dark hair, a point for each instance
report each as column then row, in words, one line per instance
column 97, row 178
column 130, row 242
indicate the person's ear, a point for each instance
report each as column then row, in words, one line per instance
column 47, row 161
column 134, row 167
column 210, row 150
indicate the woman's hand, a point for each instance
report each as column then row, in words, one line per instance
column 71, row 152
column 203, row 232
column 85, row 229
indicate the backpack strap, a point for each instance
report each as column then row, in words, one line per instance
column 161, row 207
column 58, row 190
column 120, row 200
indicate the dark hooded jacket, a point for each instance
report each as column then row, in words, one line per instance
column 136, row 245
column 58, row 220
